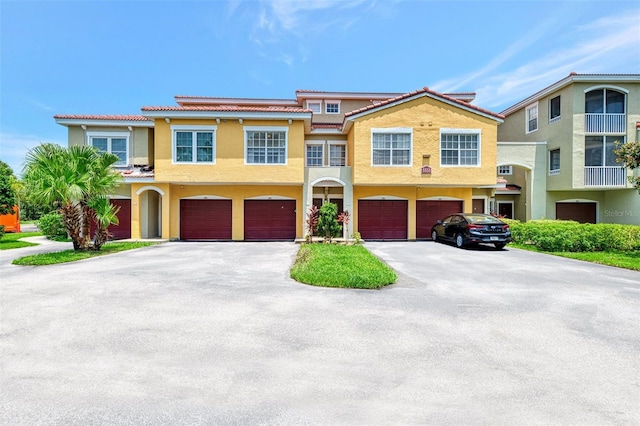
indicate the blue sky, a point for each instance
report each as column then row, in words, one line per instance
column 113, row 57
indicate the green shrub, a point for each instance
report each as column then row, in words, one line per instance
column 328, row 225
column 1, row 231
column 570, row 236
column 52, row 226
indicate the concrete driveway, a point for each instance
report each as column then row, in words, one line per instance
column 216, row 333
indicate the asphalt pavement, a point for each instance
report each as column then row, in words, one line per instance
column 217, row 333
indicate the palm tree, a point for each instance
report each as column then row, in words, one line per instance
column 70, row 179
column 103, row 214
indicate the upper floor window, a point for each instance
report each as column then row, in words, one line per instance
column 600, row 150
column 554, row 109
column 604, row 101
column 265, row 145
column 337, row 155
column 532, row 118
column 116, row 143
column 391, row 147
column 554, row 161
column 315, row 155
column 460, row 147
column 332, row 107
column 505, row 170
column 314, row 106
column 193, row 144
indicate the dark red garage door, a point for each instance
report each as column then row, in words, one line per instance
column 205, row 220
column 580, row 212
column 269, row 220
column 382, row 219
column 430, row 211
column 122, row 230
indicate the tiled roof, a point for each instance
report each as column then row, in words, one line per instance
column 114, row 117
column 425, row 90
column 326, row 125
column 573, row 76
column 227, row 108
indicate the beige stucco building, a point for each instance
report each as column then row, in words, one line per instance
column 556, row 151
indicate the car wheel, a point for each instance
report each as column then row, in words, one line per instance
column 459, row 241
column 434, row 235
column 499, row 246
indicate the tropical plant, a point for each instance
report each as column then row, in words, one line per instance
column 328, row 225
column 52, row 226
column 70, row 179
column 104, row 214
column 344, row 219
column 629, row 154
column 312, row 220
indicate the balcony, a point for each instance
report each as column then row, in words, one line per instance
column 605, row 123
column 605, row 176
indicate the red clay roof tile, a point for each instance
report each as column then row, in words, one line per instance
column 421, row 91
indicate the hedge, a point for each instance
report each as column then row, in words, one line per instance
column 563, row 235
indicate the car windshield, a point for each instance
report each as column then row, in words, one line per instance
column 475, row 218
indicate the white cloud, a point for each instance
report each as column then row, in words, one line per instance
column 607, row 45
column 14, row 147
column 290, row 23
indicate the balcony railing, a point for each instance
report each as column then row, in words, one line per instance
column 605, row 176
column 605, row 123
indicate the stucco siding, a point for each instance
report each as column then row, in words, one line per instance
column 425, row 117
column 230, row 164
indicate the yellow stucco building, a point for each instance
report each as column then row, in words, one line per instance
column 250, row 169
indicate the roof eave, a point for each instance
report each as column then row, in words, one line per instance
column 571, row 78
column 469, row 108
column 154, row 114
column 86, row 122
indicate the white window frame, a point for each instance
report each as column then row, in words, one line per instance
column 554, row 119
column 248, row 129
column 109, row 136
column 505, row 170
column 189, row 128
column 314, row 143
column 331, row 102
column 527, row 119
column 315, row 104
column 393, row 130
column 328, row 152
column 555, row 171
column 461, row 132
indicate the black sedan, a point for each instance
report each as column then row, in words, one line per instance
column 471, row 228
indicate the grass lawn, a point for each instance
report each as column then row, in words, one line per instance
column 620, row 259
column 335, row 265
column 10, row 240
column 72, row 256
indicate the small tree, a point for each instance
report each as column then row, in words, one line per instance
column 8, row 198
column 70, row 180
column 344, row 218
column 312, row 221
column 629, row 155
column 328, row 225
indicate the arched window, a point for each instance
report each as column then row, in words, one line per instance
column 605, row 111
column 604, row 101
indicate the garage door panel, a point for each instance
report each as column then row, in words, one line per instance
column 580, row 212
column 122, row 230
column 205, row 220
column 382, row 219
column 269, row 220
column 428, row 212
